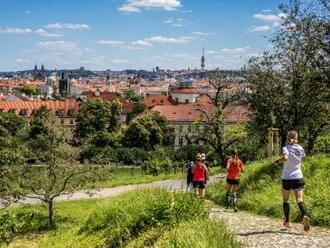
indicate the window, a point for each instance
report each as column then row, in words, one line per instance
column 23, row 112
column 71, row 112
column 60, row 112
column 71, row 122
column 186, row 100
column 62, row 121
column 177, row 99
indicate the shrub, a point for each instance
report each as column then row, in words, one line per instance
column 200, row 233
column 133, row 213
column 20, row 222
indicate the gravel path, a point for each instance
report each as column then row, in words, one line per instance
column 110, row 192
column 259, row 231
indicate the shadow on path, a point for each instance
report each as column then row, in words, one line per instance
column 269, row 232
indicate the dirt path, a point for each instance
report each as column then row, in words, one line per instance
column 110, row 192
column 259, row 231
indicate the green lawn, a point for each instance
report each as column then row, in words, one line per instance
column 127, row 175
column 133, row 219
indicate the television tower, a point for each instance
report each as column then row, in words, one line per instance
column 203, row 61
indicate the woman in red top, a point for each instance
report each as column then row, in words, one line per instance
column 199, row 177
column 234, row 168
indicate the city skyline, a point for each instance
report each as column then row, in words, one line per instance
column 134, row 34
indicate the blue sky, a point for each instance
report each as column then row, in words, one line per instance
column 136, row 34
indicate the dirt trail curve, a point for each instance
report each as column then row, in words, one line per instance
column 263, row 232
column 114, row 191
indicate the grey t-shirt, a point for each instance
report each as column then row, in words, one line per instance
column 292, row 166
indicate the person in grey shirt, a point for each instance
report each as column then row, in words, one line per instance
column 292, row 178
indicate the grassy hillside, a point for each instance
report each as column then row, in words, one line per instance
column 133, row 219
column 260, row 190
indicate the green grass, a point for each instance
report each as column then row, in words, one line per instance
column 200, row 233
column 116, row 221
column 126, row 176
column 260, row 190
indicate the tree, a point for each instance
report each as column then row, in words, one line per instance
column 57, row 170
column 214, row 132
column 147, row 132
column 29, row 90
column 95, row 116
column 131, row 95
column 137, row 109
column 290, row 86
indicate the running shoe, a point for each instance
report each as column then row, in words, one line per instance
column 235, row 209
column 306, row 223
column 287, row 224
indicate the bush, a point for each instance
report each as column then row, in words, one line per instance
column 130, row 156
column 200, row 233
column 133, row 213
column 260, row 190
column 20, row 222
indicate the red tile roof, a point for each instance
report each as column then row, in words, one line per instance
column 191, row 113
column 30, row 106
column 185, row 91
column 152, row 101
column 108, row 96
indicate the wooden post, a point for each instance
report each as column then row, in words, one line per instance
column 273, row 142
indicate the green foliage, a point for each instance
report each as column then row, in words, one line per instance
column 133, row 213
column 96, row 115
column 137, row 109
column 131, row 156
column 200, row 233
column 29, row 89
column 19, row 222
column 147, row 132
column 131, row 95
column 260, row 190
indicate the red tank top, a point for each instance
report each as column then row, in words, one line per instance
column 199, row 173
column 234, row 169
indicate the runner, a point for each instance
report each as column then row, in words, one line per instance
column 292, row 178
column 207, row 165
column 234, row 168
column 190, row 176
column 199, row 177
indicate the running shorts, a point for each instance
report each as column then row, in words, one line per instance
column 293, row 184
column 199, row 184
column 232, row 181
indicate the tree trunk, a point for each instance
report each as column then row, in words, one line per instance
column 311, row 142
column 50, row 212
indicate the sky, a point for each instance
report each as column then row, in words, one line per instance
column 134, row 34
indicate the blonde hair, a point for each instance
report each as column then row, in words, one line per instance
column 292, row 137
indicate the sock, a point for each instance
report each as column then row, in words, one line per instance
column 286, row 209
column 302, row 208
column 234, row 199
column 227, row 199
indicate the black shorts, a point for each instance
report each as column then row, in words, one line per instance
column 293, row 184
column 232, row 181
column 199, row 184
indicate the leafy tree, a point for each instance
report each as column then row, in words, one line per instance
column 147, row 132
column 95, row 116
column 131, row 95
column 211, row 129
column 57, row 171
column 29, row 90
column 137, row 109
column 290, row 86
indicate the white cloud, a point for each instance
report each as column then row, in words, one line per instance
column 67, row 26
column 142, row 43
column 128, row 8
column 260, row 28
column 178, row 22
column 138, row 5
column 59, row 45
column 169, row 40
column 266, row 10
column 269, row 17
column 15, row 31
column 110, row 42
column 44, row 33
column 237, row 50
column 203, row 33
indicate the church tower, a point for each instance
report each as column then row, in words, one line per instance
column 203, row 61
column 63, row 86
